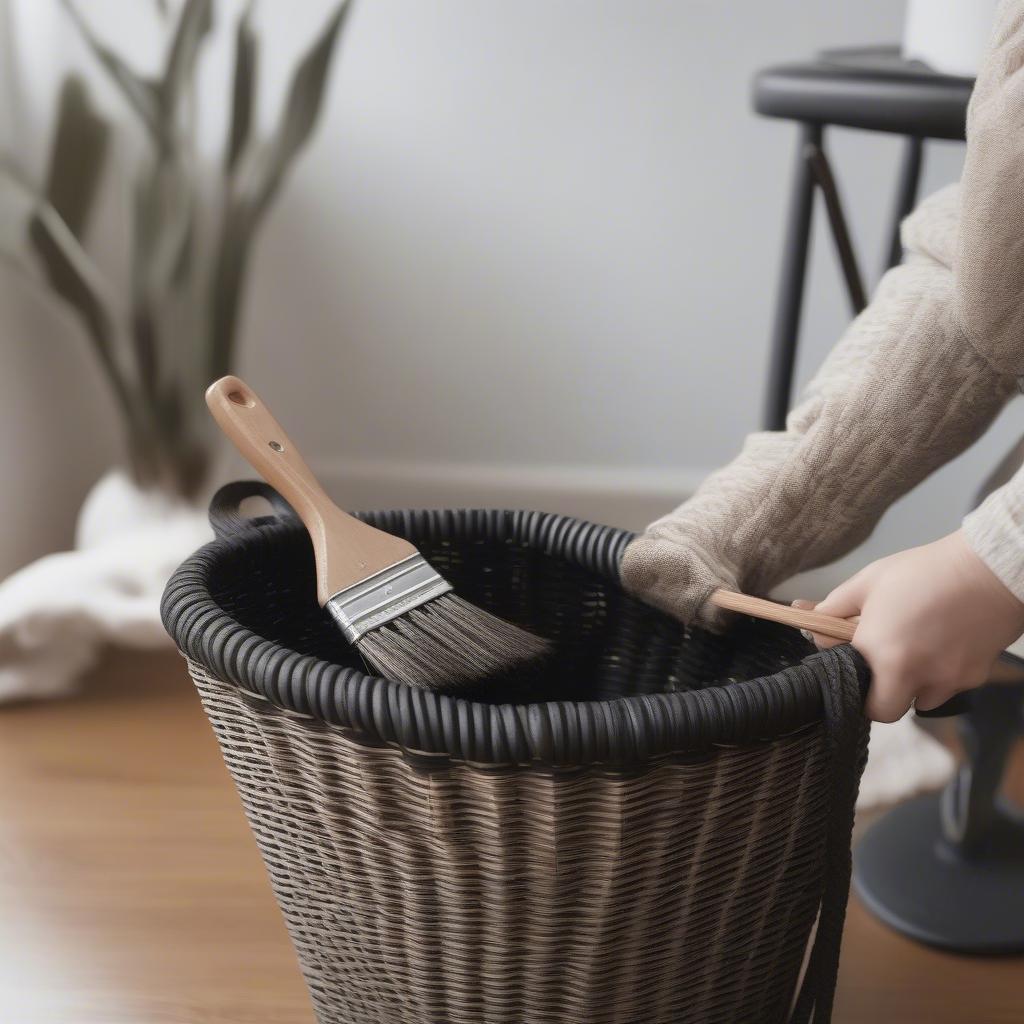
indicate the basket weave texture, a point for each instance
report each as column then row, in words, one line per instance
column 648, row 845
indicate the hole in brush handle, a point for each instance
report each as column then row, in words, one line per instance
column 240, row 397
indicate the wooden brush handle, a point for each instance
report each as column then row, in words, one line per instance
column 1007, row 669
column 347, row 550
column 816, row 622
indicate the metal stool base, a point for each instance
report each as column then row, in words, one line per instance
column 908, row 875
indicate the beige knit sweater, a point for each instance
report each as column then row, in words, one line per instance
column 916, row 379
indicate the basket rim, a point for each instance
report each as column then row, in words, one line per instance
column 426, row 725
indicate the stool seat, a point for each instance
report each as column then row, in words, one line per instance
column 872, row 88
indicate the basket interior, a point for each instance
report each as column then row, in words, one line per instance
column 606, row 644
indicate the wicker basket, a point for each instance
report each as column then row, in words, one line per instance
column 645, row 837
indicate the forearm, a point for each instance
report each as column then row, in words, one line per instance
column 902, row 393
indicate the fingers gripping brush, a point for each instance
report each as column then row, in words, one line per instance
column 398, row 611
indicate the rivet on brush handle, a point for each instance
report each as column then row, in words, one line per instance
column 800, row 618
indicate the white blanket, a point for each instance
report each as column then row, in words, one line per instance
column 57, row 613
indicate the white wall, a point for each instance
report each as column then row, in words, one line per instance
column 531, row 256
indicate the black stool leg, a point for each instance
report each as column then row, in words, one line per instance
column 825, row 180
column 791, row 283
column 948, row 869
column 988, row 733
column 906, row 194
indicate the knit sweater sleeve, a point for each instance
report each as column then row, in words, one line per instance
column 995, row 530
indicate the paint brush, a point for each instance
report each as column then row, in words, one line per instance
column 398, row 611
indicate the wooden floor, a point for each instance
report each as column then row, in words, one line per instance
column 131, row 891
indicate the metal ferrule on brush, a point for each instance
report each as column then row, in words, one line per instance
column 385, row 595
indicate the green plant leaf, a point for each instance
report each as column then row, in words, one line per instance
column 193, row 26
column 301, row 109
column 183, row 263
column 165, row 203
column 253, row 188
column 226, row 285
column 243, row 89
column 77, row 155
column 71, row 274
column 17, row 206
column 164, row 214
column 142, row 93
column 165, row 206
column 17, row 201
column 67, row 266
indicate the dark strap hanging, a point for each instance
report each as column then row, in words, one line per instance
column 843, row 689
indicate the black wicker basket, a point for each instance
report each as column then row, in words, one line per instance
column 642, row 832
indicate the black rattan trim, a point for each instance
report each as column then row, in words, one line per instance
column 621, row 732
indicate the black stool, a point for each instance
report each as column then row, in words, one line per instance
column 872, row 89
column 946, row 869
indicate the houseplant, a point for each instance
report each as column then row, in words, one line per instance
column 173, row 325
column 160, row 334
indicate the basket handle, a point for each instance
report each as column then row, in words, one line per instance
column 225, row 513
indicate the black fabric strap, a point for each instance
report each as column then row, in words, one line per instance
column 843, row 689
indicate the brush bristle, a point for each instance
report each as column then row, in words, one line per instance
column 446, row 644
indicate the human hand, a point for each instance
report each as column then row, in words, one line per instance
column 933, row 620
